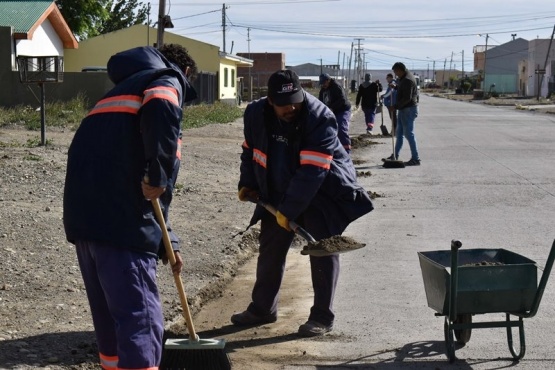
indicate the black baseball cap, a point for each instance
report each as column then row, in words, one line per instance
column 285, row 88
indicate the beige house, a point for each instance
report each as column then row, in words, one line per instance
column 96, row 51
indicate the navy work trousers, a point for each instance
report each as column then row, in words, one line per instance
column 275, row 242
column 125, row 305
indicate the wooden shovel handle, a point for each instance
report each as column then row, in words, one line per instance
column 176, row 276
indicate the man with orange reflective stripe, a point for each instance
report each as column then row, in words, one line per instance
column 126, row 152
column 293, row 159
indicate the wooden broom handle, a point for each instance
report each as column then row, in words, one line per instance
column 176, row 276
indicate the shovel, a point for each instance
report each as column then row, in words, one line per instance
column 324, row 247
column 382, row 126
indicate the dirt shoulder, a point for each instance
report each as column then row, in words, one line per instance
column 44, row 314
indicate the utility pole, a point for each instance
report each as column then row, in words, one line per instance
column 338, row 56
column 463, row 64
column 547, row 57
column 321, row 67
column 223, row 25
column 359, row 62
column 434, row 71
column 443, row 79
column 148, row 24
column 161, row 23
column 484, row 86
column 450, row 69
column 249, row 50
column 350, row 60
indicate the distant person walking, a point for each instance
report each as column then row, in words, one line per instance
column 333, row 96
column 407, row 111
column 389, row 100
column 367, row 97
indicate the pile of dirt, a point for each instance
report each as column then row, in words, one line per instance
column 334, row 244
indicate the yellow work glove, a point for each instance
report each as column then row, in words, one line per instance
column 282, row 221
column 246, row 194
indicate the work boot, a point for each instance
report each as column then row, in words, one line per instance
column 313, row 329
column 247, row 318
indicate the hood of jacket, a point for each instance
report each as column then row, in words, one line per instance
column 127, row 63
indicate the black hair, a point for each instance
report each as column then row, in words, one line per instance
column 400, row 66
column 390, row 75
column 178, row 55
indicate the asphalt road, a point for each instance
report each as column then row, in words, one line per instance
column 487, row 178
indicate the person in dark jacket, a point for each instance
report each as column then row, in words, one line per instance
column 293, row 160
column 126, row 152
column 407, row 111
column 333, row 95
column 367, row 97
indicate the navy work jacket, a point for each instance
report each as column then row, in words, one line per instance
column 132, row 132
column 325, row 177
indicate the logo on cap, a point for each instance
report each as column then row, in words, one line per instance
column 286, row 88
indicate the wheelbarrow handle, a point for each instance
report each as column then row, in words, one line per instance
column 292, row 224
column 455, row 246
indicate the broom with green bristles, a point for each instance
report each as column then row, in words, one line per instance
column 192, row 353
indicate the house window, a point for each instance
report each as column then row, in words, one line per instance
column 232, row 78
column 226, row 72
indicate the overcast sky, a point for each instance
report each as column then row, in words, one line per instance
column 314, row 31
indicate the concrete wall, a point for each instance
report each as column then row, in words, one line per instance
column 91, row 85
column 228, row 82
column 537, row 53
column 502, row 66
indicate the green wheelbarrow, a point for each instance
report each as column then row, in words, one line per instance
column 460, row 284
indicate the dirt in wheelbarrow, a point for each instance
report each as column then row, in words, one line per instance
column 484, row 263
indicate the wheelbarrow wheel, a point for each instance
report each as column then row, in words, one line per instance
column 449, row 341
column 463, row 335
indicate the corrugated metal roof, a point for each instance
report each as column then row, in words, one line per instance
column 22, row 14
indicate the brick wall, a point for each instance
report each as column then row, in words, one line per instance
column 264, row 65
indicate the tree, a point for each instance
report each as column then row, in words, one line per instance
column 82, row 16
column 123, row 14
column 89, row 18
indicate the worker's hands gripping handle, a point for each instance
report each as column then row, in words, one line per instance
column 293, row 226
column 246, row 194
column 282, row 221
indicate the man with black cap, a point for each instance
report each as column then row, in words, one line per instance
column 333, row 95
column 293, row 160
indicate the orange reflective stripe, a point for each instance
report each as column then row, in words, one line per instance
column 162, row 92
column 118, row 104
column 245, row 145
column 259, row 157
column 178, row 154
column 316, row 159
column 109, row 362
